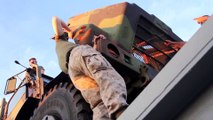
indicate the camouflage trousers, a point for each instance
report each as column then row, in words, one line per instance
column 100, row 85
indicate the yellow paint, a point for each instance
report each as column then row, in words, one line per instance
column 81, row 19
column 105, row 23
column 17, row 108
column 111, row 22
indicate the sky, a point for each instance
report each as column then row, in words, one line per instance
column 25, row 27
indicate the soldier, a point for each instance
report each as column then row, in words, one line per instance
column 101, row 86
column 35, row 81
column 34, row 61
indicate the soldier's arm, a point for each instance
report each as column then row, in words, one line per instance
column 60, row 27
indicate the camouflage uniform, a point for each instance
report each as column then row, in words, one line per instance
column 101, row 86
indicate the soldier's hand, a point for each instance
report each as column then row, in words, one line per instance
column 97, row 38
column 33, row 65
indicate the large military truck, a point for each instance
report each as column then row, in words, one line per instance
column 137, row 44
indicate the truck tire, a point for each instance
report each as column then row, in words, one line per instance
column 63, row 102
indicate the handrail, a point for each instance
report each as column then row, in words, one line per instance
column 7, row 105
